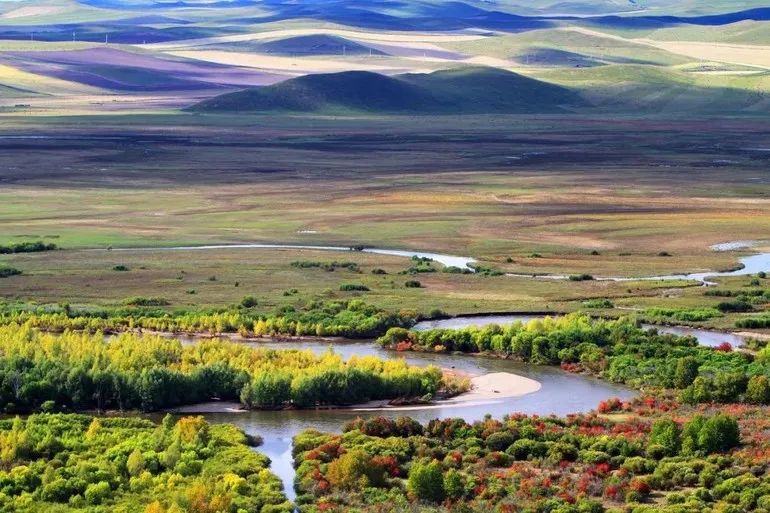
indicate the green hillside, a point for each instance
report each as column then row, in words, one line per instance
column 463, row 90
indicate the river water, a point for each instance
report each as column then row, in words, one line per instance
column 446, row 260
column 561, row 393
column 751, row 264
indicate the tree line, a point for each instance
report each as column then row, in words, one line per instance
column 79, row 370
column 617, row 350
column 350, row 319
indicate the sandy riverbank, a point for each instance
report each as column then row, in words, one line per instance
column 485, row 389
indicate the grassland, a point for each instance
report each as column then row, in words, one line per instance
column 520, row 194
column 664, row 151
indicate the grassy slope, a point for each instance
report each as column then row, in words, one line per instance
column 651, row 89
column 15, row 78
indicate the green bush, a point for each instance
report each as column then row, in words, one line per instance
column 426, row 481
column 146, row 301
column 353, row 287
column 7, row 272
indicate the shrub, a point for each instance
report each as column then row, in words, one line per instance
column 684, row 314
column 734, row 306
column 354, row 470
column 665, row 434
column 249, row 302
column 499, row 441
column 353, row 287
column 120, row 268
column 758, row 390
column 753, row 323
column 686, row 371
column 580, row 277
column 426, row 481
column 27, row 247
column 413, row 284
column 146, row 301
column 598, row 303
column 6, row 272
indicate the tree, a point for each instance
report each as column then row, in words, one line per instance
column 500, row 441
column 354, row 470
column 135, row 463
column 686, row 371
column 267, row 390
column 719, row 433
column 728, row 386
column 426, row 481
column 454, row 485
column 95, row 493
column 664, row 437
column 758, row 390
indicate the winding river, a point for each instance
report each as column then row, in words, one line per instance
column 446, row 260
column 750, row 264
column 560, row 393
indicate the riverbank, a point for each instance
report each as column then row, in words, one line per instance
column 484, row 389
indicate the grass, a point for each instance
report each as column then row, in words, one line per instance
column 268, row 276
column 447, row 184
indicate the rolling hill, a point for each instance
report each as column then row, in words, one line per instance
column 457, row 91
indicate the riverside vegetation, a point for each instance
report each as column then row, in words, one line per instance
column 671, row 450
column 76, row 463
column 351, row 319
column 82, row 371
column 617, row 350
column 587, row 463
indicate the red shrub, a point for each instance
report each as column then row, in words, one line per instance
column 640, row 485
column 610, row 405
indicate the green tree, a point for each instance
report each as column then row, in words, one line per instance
column 97, row 492
column 354, row 470
column 758, row 390
column 686, row 371
column 728, row 386
column 267, row 390
column 454, row 485
column 666, row 436
column 426, row 481
column 135, row 463
column 719, row 433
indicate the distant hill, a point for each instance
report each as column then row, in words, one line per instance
column 458, row 91
column 317, row 44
